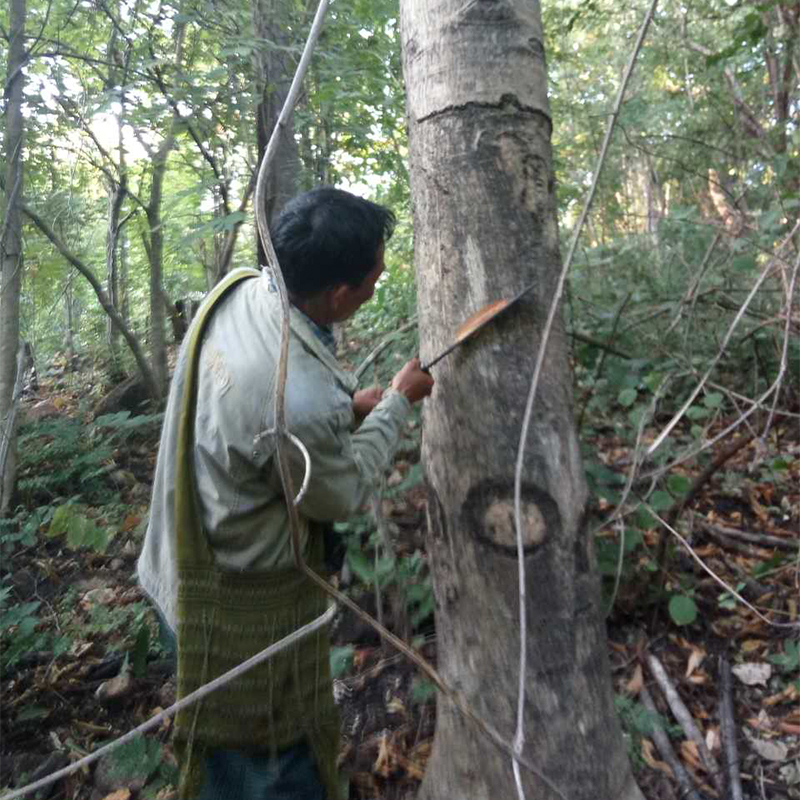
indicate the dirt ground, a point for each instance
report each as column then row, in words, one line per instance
column 743, row 526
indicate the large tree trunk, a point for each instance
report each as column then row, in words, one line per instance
column 11, row 245
column 485, row 227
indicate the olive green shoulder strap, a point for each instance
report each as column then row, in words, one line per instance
column 191, row 542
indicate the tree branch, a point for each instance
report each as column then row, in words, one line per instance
column 114, row 315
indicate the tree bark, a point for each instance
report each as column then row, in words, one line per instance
column 273, row 68
column 116, row 196
column 155, row 245
column 116, row 187
column 485, row 227
column 155, row 255
column 11, row 262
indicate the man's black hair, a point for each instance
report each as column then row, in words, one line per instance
column 328, row 237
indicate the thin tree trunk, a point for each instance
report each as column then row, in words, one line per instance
column 102, row 297
column 273, row 71
column 155, row 246
column 116, row 196
column 155, row 255
column 69, row 320
column 11, row 262
column 485, row 227
column 116, row 189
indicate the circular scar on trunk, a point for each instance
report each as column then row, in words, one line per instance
column 489, row 512
column 500, row 528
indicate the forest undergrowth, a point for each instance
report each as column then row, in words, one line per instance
column 82, row 664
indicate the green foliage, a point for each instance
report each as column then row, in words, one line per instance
column 78, row 529
column 405, row 574
column 140, row 650
column 120, row 427
column 341, row 660
column 143, row 757
column 789, row 660
column 65, row 457
column 682, row 609
column 119, row 626
column 58, row 459
column 607, row 552
column 422, row 691
column 21, row 530
column 638, row 723
column 21, row 633
column 727, row 600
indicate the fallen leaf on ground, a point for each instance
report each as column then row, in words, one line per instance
column 384, row 763
column 753, row 673
column 648, row 754
column 635, row 684
column 772, row 751
column 788, row 727
column 791, row 773
column 787, row 695
column 120, row 794
column 713, row 740
column 691, row 755
column 695, row 660
column 762, row 722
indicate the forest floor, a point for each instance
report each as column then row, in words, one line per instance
column 88, row 667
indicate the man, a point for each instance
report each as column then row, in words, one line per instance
column 218, row 556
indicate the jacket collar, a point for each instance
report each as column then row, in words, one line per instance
column 301, row 326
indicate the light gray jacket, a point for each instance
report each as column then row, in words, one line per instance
column 236, row 476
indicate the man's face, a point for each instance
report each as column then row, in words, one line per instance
column 350, row 298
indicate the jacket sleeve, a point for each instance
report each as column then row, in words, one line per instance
column 347, row 465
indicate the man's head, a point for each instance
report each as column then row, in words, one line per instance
column 330, row 242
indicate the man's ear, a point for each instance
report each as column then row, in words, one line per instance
column 338, row 297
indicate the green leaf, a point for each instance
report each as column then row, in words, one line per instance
column 743, row 264
column 627, row 397
column 636, row 414
column 78, row 529
column 341, row 659
column 678, row 484
column 713, row 400
column 422, row 690
column 682, row 609
column 767, row 221
column 653, row 380
column 30, row 713
column 696, row 412
column 633, row 538
column 661, row 501
column 789, row 660
column 644, row 520
column 141, row 647
column 17, row 614
column 362, row 566
column 423, row 610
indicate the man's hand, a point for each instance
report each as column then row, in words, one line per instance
column 364, row 400
column 413, row 382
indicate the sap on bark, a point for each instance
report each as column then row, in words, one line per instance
column 489, row 512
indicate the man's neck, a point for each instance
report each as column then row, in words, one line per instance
column 315, row 308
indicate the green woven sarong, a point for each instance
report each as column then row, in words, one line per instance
column 224, row 617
